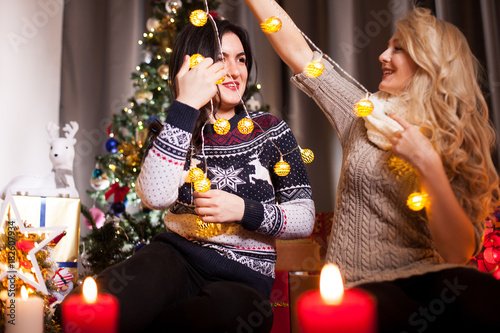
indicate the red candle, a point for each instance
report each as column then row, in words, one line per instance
column 333, row 309
column 90, row 312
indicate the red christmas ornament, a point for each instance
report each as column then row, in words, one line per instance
column 483, row 265
column 492, row 239
column 108, row 130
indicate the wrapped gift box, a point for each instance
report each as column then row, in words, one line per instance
column 298, row 255
column 52, row 212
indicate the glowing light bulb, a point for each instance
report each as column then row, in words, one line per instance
column 363, row 108
column 245, row 126
column 282, row 168
column 198, row 18
column 222, row 126
column 314, row 69
column 416, row 201
column 307, row 155
column 195, row 60
column 272, row 25
column 202, row 185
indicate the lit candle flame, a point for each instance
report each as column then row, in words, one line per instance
column 330, row 285
column 89, row 290
column 24, row 293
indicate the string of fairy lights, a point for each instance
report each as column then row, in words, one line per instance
column 221, row 126
column 198, row 177
column 415, row 201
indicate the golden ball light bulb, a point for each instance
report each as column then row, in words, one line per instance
column 314, row 69
column 195, row 59
column 363, row 108
column 221, row 126
column 272, row 25
column 196, row 174
column 307, row 155
column 245, row 126
column 416, row 201
column 198, row 18
column 202, row 185
column 282, row 168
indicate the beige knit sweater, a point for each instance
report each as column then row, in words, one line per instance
column 375, row 236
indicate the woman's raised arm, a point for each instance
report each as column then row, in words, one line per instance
column 288, row 41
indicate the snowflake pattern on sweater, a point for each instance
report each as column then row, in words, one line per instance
column 241, row 164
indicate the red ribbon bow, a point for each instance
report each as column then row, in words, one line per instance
column 119, row 192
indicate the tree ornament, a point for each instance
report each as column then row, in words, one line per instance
column 363, row 108
column 416, row 201
column 221, row 126
column 272, row 25
column 173, row 6
column 195, row 59
column 147, row 56
column 307, row 155
column 98, row 216
column 198, row 18
column 202, row 225
column 111, row 145
column 282, row 168
column 314, row 69
column 97, row 173
column 152, row 24
column 202, row 185
column 245, row 126
column 117, row 208
column 163, row 72
column 109, row 130
column 143, row 96
column 141, row 134
column 253, row 104
column 196, row 174
column 101, row 182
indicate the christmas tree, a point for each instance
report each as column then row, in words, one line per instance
column 127, row 225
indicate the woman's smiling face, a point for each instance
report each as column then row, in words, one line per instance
column 231, row 90
column 397, row 67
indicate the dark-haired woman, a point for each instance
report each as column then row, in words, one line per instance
column 212, row 271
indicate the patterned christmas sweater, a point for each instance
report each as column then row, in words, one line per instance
column 242, row 164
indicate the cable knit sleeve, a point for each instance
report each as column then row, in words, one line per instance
column 334, row 94
column 161, row 170
column 292, row 214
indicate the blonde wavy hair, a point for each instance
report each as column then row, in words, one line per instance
column 452, row 111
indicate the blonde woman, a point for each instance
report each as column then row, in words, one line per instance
column 428, row 133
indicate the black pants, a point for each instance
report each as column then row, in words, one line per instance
column 452, row 300
column 159, row 291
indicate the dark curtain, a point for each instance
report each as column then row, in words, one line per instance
column 100, row 51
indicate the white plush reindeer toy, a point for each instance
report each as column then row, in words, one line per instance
column 59, row 182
